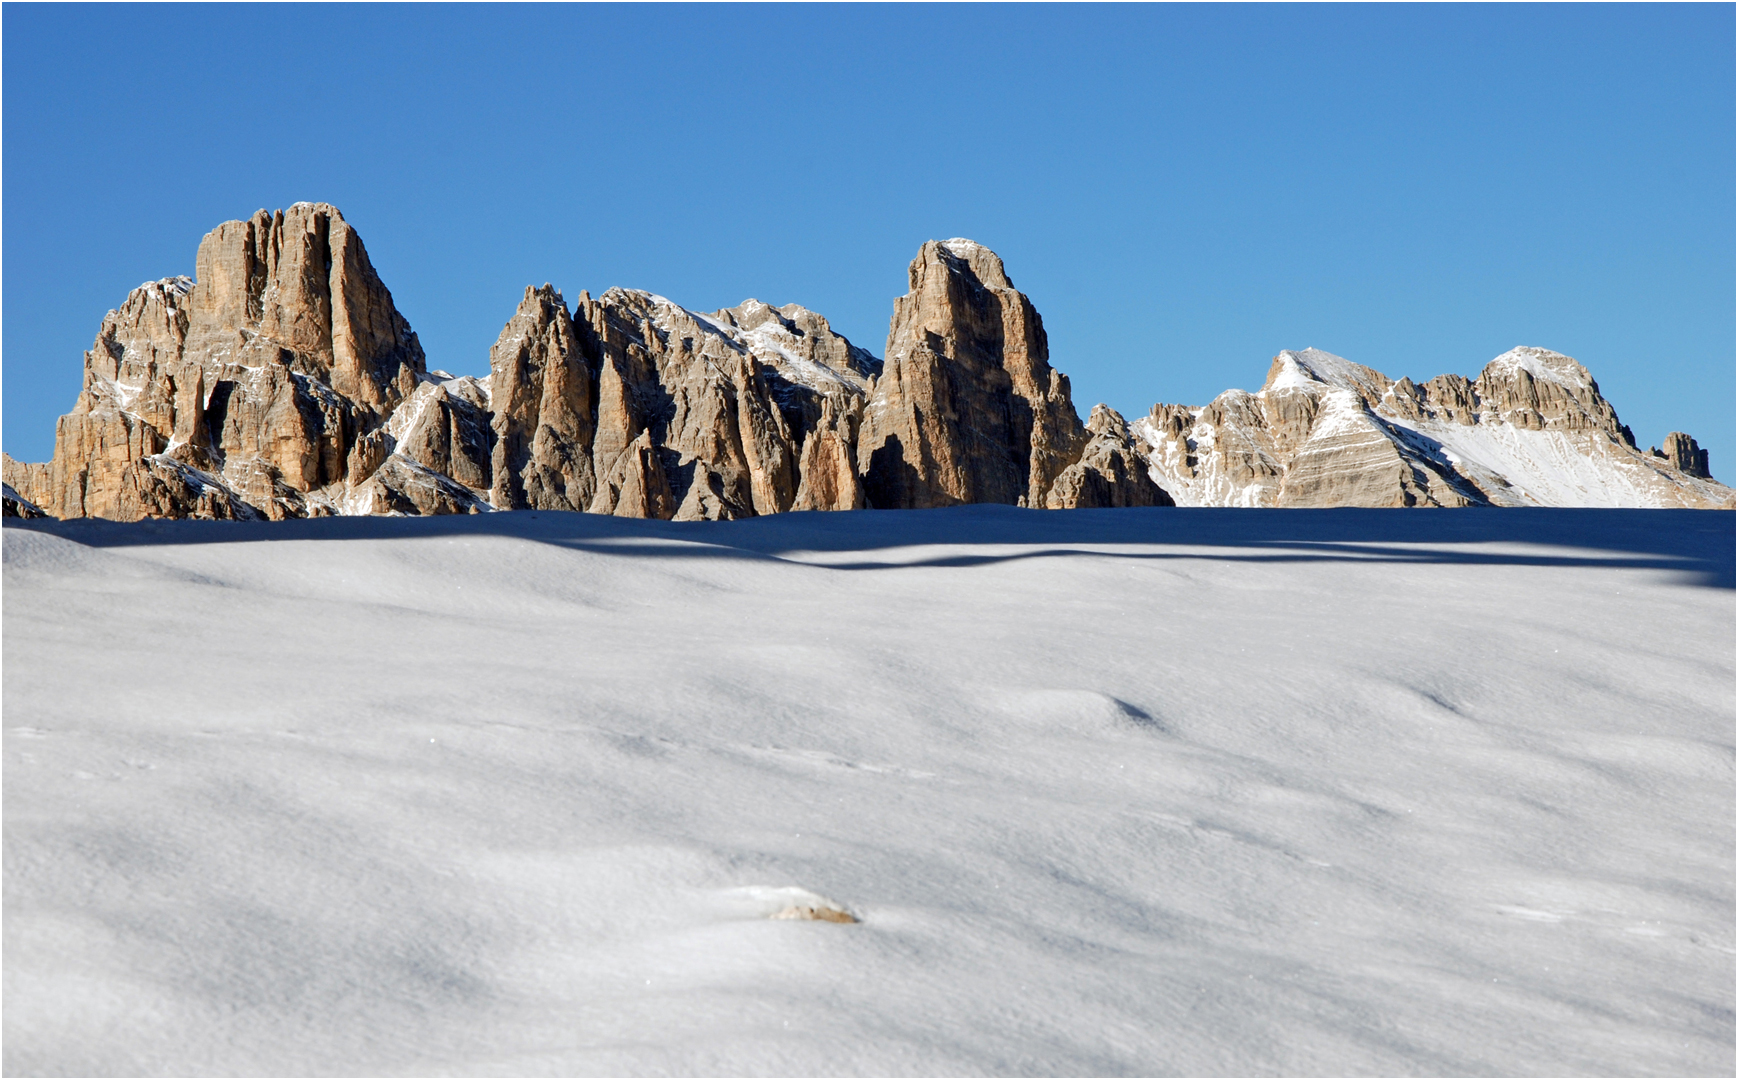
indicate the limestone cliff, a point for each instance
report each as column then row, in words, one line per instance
column 242, row 394
column 283, row 382
column 1532, row 430
column 968, row 408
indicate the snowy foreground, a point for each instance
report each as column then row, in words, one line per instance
column 1128, row 791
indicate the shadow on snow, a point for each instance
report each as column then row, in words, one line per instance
column 1698, row 543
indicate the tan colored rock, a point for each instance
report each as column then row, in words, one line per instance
column 1539, row 390
column 299, row 281
column 541, row 389
column 1352, row 458
column 820, row 382
column 813, row 913
column 258, row 377
column 827, row 469
column 367, row 454
column 442, row 427
column 1226, row 453
column 725, row 401
column 635, row 485
column 29, row 479
column 1112, row 471
column 968, row 408
column 1683, row 453
column 404, row 486
column 1533, row 429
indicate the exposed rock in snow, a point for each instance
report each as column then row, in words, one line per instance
column 283, row 382
column 968, row 408
column 1532, row 430
column 15, row 505
column 1111, row 471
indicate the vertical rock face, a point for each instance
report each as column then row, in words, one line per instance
column 244, row 394
column 968, row 408
column 1533, row 429
column 632, row 405
column 541, row 389
column 297, row 286
column 284, row 383
column 1682, row 453
column 687, row 414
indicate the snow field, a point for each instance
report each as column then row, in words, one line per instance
column 1111, row 792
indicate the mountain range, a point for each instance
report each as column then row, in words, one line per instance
column 282, row 382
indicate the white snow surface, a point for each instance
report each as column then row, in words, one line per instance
column 1301, row 368
column 1547, row 468
column 961, row 247
column 1544, row 365
column 1135, row 791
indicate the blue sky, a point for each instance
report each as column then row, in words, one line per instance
column 1183, row 191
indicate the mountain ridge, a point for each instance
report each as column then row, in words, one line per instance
column 282, row 382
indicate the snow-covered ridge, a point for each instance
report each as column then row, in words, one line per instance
column 1542, row 364
column 792, row 341
column 1298, row 370
column 1327, row 431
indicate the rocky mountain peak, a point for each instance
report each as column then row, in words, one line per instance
column 981, row 262
column 296, row 286
column 282, row 382
column 800, row 345
column 1540, row 365
column 1539, row 390
column 1311, row 368
column 1533, row 429
column 968, row 407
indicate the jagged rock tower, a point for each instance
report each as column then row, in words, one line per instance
column 244, row 393
column 284, row 383
column 968, row 408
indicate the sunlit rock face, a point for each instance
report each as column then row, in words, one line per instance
column 1531, row 430
column 242, row 394
column 969, row 408
column 1111, row 471
column 284, row 383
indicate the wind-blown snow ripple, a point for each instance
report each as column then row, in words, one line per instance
column 1111, row 792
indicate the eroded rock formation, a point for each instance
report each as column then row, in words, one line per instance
column 284, row 383
column 1531, row 430
column 968, row 408
column 1682, row 453
column 1111, row 471
column 242, row 394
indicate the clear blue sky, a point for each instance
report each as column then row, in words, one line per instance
column 1183, row 191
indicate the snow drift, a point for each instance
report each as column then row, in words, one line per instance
column 1109, row 792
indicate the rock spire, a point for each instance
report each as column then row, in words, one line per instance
column 968, row 408
column 283, row 382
